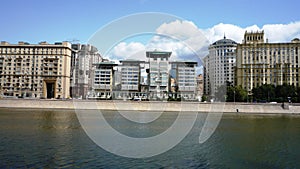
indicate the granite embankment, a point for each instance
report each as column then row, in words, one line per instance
column 149, row 106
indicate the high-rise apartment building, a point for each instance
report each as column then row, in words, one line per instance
column 82, row 60
column 260, row 62
column 35, row 70
column 219, row 65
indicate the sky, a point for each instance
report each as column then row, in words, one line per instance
column 79, row 21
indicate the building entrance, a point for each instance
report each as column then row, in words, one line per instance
column 50, row 90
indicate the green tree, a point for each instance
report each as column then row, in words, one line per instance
column 230, row 94
column 297, row 97
column 285, row 91
column 236, row 94
column 265, row 92
column 203, row 98
column 280, row 93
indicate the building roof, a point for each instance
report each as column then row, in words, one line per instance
column 132, row 61
column 296, row 40
column 100, row 64
column 40, row 44
column 157, row 54
column 224, row 42
column 184, row 62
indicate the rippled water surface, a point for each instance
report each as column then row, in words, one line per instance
column 55, row 139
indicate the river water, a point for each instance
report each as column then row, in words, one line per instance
column 55, row 139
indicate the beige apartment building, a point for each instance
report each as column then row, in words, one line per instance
column 259, row 62
column 35, row 70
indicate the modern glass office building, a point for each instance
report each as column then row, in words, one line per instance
column 219, row 65
column 184, row 78
column 103, row 82
column 158, row 77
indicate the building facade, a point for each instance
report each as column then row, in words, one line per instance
column 131, row 75
column 260, row 62
column 158, row 76
column 183, row 75
column 219, row 65
column 82, row 60
column 206, row 78
column 103, row 81
column 128, row 79
column 35, row 70
column 199, row 86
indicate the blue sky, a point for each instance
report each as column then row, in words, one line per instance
column 59, row 20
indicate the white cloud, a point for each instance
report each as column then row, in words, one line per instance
column 162, row 43
column 182, row 30
column 184, row 38
column 282, row 32
column 233, row 32
column 274, row 32
column 133, row 50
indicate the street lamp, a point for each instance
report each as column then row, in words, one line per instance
column 289, row 99
column 234, row 95
column 20, row 86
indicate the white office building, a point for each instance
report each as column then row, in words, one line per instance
column 184, row 75
column 219, row 65
column 158, row 77
column 103, row 81
column 131, row 75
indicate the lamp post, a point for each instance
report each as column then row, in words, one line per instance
column 1, row 91
column 234, row 95
column 105, row 92
column 20, row 86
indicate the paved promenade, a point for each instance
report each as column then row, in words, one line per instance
column 149, row 106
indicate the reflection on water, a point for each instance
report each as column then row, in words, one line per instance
column 139, row 130
column 54, row 139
